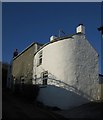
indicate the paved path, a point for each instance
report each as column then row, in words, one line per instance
column 14, row 107
column 89, row 110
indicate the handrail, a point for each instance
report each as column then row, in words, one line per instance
column 64, row 85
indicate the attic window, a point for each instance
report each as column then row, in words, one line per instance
column 40, row 58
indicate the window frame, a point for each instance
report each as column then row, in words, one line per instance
column 40, row 58
column 45, row 78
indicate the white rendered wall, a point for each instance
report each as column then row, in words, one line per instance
column 72, row 65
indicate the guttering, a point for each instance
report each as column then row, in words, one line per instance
column 26, row 49
column 56, row 40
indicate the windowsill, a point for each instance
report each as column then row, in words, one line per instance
column 38, row 65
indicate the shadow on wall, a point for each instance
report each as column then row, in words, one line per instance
column 61, row 84
column 60, row 94
column 60, row 97
column 27, row 91
column 52, row 80
column 4, row 73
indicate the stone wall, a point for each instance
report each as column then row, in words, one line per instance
column 22, row 66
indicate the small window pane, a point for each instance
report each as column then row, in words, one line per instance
column 45, row 77
column 39, row 59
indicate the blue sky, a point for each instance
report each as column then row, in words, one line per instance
column 24, row 23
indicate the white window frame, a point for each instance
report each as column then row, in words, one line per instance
column 44, row 76
column 40, row 55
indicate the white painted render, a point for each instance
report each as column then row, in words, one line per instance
column 80, row 29
column 72, row 65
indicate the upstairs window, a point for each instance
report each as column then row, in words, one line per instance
column 40, row 58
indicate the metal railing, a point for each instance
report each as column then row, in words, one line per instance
column 59, row 83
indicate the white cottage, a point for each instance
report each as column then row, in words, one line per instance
column 66, row 69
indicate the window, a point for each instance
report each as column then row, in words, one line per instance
column 35, row 77
column 45, row 77
column 14, row 79
column 39, row 59
column 22, row 79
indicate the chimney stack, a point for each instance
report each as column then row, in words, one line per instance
column 80, row 29
column 15, row 53
column 52, row 38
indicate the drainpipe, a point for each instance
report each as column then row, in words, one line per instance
column 101, row 30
